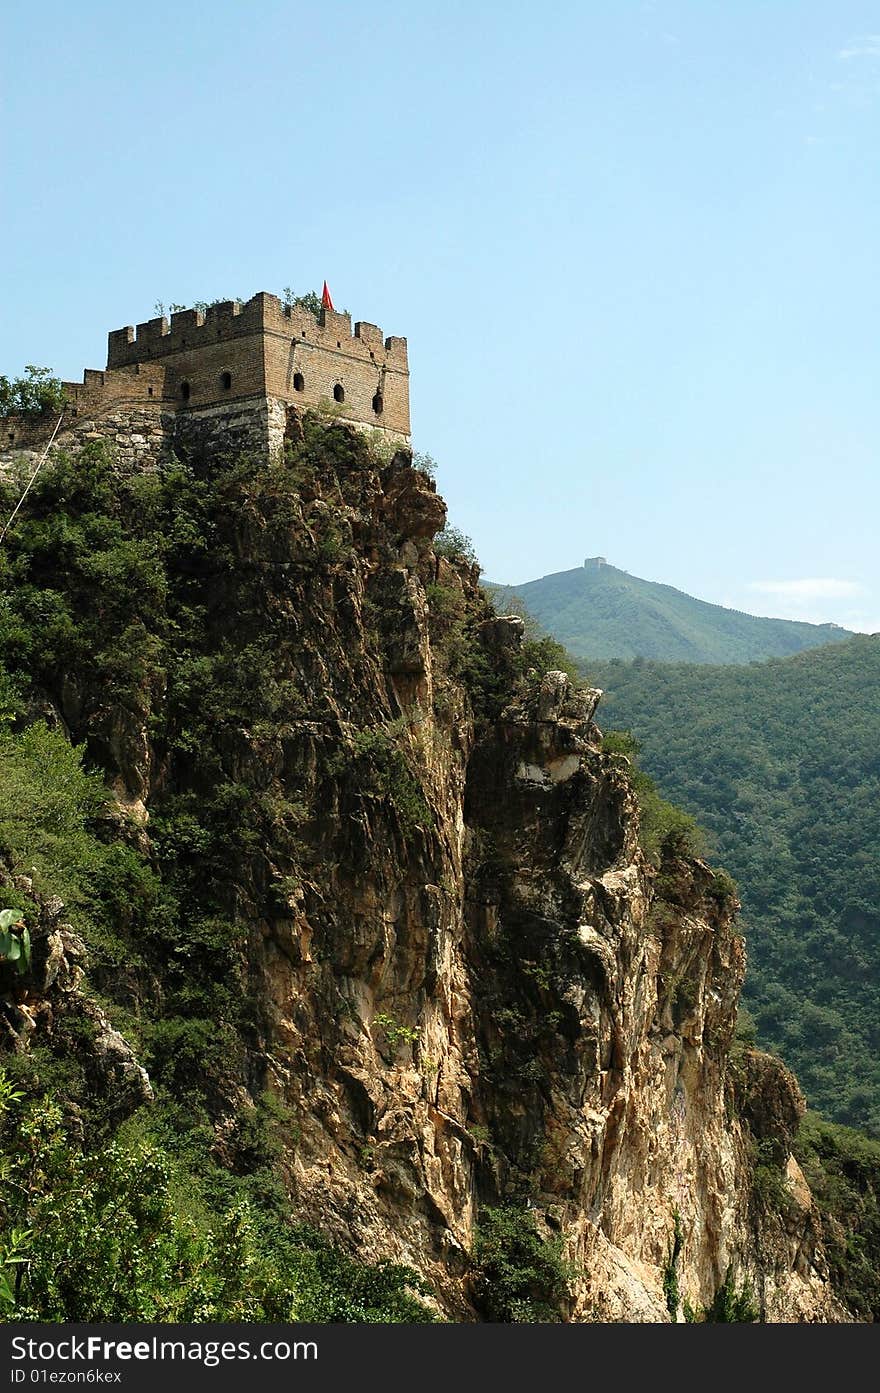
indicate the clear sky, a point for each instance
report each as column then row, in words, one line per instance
column 633, row 246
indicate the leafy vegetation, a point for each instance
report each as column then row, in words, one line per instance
column 310, row 300
column 384, row 767
column 671, row 1290
column 15, row 940
column 842, row 1169
column 394, row 1031
column 779, row 764
column 425, row 462
column 455, row 546
column 600, row 612
column 662, row 826
column 126, row 1231
column 47, row 802
column 492, row 677
column 115, row 596
column 38, row 393
column 520, row 1277
column 733, row 1304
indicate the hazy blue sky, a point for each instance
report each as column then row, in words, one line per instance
column 634, row 248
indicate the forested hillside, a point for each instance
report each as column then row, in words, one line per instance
column 780, row 763
column 598, row 611
column 326, row 919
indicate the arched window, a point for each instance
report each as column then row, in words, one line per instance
column 185, row 390
column 226, row 380
column 378, row 403
column 299, row 382
column 339, row 392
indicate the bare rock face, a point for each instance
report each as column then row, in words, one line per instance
column 604, row 1071
column 518, row 1004
column 502, row 632
column 476, row 990
column 411, row 506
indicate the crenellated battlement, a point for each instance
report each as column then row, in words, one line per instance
column 230, row 320
column 187, row 329
column 206, row 370
column 263, row 347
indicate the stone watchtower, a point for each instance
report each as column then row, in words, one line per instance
column 227, row 377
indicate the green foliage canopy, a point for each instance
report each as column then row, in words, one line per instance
column 37, row 393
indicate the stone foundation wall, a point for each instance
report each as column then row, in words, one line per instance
column 254, row 427
column 145, row 437
column 141, row 437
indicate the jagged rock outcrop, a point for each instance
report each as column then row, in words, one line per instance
column 474, row 987
column 53, row 996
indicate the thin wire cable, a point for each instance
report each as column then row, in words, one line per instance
column 31, row 480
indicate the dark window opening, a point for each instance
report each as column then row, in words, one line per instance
column 226, row 380
column 339, row 392
column 185, row 390
column 149, row 391
column 378, row 403
column 299, row 382
column 338, row 343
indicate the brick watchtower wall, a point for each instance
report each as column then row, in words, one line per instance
column 223, row 378
column 265, row 348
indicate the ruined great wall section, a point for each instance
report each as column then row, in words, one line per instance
column 224, row 379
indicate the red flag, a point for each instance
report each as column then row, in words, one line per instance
column 325, row 298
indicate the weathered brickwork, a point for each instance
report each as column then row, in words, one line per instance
column 222, row 380
column 265, row 348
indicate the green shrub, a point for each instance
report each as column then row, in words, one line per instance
column 383, row 768
column 723, row 887
column 310, row 300
column 426, row 463
column 546, row 655
column 770, row 1186
column 520, row 1277
column 671, row 1292
column 394, row 1031
column 126, row 1233
column 732, row 1303
column 446, row 605
column 15, row 940
column 620, row 742
column 38, row 393
column 48, row 803
column 663, row 828
column 842, row 1168
column 746, row 1030
column 455, row 546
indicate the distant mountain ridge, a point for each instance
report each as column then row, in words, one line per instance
column 600, row 612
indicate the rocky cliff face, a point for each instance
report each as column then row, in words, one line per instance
column 471, row 988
